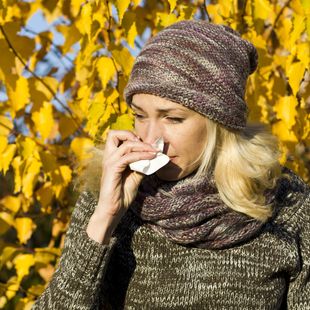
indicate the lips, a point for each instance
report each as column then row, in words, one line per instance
column 172, row 158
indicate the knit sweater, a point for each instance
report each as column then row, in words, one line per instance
column 140, row 269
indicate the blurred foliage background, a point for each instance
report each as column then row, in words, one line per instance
column 61, row 86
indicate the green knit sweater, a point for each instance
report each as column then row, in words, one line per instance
column 140, row 269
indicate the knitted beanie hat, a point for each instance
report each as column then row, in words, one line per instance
column 201, row 65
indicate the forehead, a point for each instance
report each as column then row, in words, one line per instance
column 161, row 104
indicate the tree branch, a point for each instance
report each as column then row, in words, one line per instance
column 57, row 51
column 204, row 12
column 113, row 60
column 39, row 79
column 273, row 26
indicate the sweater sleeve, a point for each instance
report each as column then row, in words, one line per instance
column 299, row 288
column 76, row 281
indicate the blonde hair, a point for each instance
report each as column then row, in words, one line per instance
column 244, row 163
column 89, row 170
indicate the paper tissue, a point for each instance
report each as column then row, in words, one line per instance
column 147, row 166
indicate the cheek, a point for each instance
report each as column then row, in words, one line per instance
column 186, row 150
column 140, row 130
column 137, row 126
column 196, row 144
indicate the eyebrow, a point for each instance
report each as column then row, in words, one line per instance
column 160, row 110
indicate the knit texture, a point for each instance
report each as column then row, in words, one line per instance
column 141, row 269
column 200, row 65
column 191, row 212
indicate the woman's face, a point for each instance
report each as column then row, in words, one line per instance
column 183, row 131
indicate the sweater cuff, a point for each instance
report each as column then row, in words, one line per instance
column 88, row 258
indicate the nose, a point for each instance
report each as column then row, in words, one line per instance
column 153, row 131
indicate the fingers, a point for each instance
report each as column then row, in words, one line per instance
column 116, row 137
column 132, row 157
column 123, row 142
column 120, row 142
column 136, row 149
column 134, row 146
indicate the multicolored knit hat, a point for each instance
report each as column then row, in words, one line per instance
column 201, row 65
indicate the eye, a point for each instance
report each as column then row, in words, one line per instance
column 176, row 119
column 137, row 115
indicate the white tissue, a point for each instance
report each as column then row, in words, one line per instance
column 147, row 166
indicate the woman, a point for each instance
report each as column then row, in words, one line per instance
column 221, row 226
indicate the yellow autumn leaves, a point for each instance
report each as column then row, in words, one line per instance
column 278, row 92
column 47, row 122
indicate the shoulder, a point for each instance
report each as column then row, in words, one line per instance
column 292, row 201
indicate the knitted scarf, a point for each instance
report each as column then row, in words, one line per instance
column 192, row 214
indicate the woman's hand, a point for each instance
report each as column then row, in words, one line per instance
column 119, row 184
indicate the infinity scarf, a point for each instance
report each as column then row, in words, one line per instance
column 192, row 214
